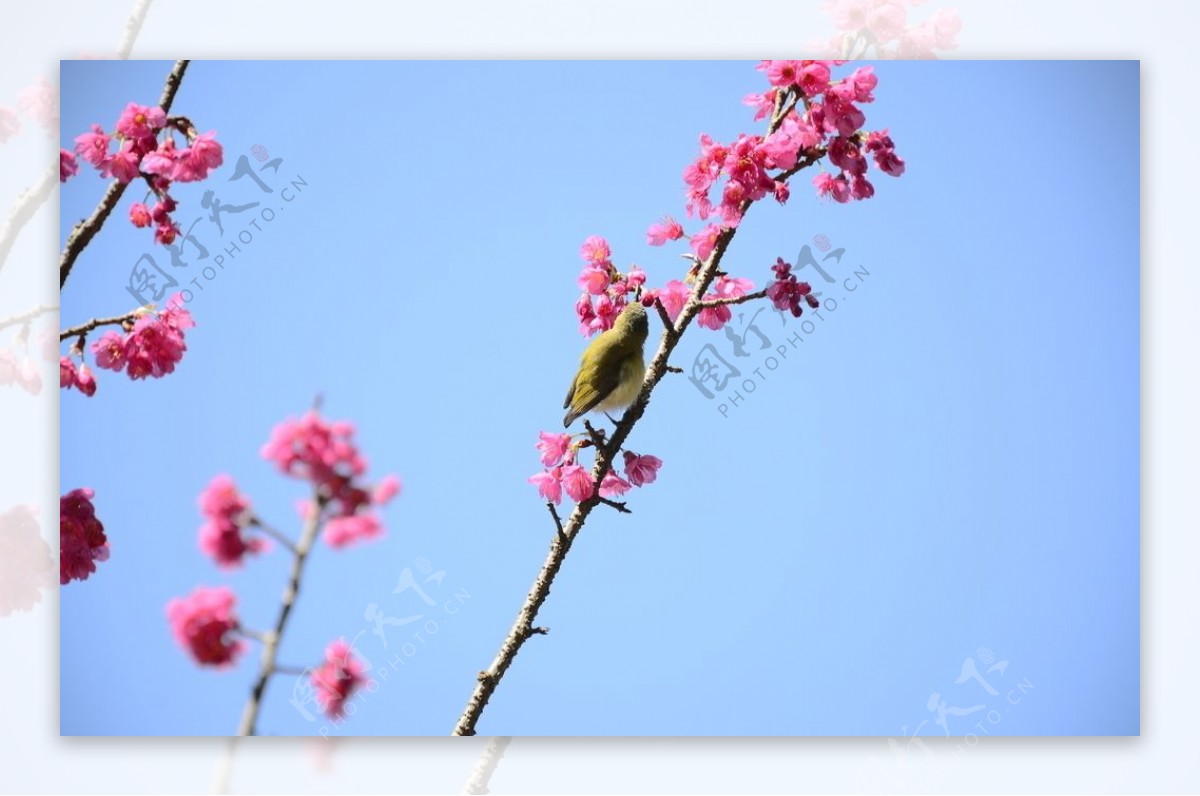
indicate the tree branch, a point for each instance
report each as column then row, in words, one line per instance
column 717, row 302
column 85, row 230
column 22, row 210
column 26, row 317
column 94, row 323
column 272, row 639
column 274, row 533
column 481, row 776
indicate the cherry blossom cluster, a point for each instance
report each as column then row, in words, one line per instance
column 563, row 474
column 81, row 536
column 139, row 152
column 786, row 293
column 324, row 453
column 149, row 344
column 204, row 624
column 605, row 289
column 881, row 29
column 227, row 513
column 337, row 678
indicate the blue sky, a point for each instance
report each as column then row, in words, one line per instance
column 944, row 468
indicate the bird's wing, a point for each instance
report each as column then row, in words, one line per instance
column 585, row 397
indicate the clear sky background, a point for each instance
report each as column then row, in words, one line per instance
column 947, row 465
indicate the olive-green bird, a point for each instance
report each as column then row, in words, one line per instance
column 612, row 367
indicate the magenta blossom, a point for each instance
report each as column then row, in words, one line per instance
column 553, row 447
column 595, row 250
column 67, row 165
column 664, row 230
column 204, row 624
column 336, row 680
column 81, row 536
column 549, row 484
column 577, row 482
column 641, row 470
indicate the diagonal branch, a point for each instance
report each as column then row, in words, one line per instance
column 94, row 323
column 272, row 639
column 85, row 230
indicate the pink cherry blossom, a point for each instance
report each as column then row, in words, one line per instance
column 595, row 250
column 10, row 123
column 673, row 296
column 40, row 103
column 886, row 20
column 641, row 470
column 635, row 278
column 336, row 680
column 227, row 512
column 704, row 241
column 577, row 482
column 763, row 104
column 66, row 373
column 197, row 160
column 863, row 81
column 81, row 536
column 122, row 166
column 553, row 447
column 714, row 317
column 663, row 230
column 814, row 78
column 204, row 624
column 594, row 279
column 139, row 214
column 386, row 490
column 613, row 485
column 549, row 484
column 85, row 380
column 68, row 167
column 786, row 293
column 606, row 314
column 161, row 161
column 109, row 351
column 141, row 121
column 346, row 530
column 93, row 146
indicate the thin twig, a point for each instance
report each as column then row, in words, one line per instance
column 95, row 323
column 717, row 302
column 667, row 323
column 312, row 524
column 481, row 776
column 620, row 507
column 26, row 317
column 23, row 209
column 274, row 533
column 554, row 514
column 85, row 230
column 133, row 27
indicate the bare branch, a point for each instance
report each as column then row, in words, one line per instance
column 23, row 209
column 95, row 323
column 481, row 776
column 26, row 317
column 312, row 524
column 717, row 302
column 274, row 533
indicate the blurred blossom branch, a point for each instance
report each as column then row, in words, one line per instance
column 267, row 667
column 26, row 317
column 85, row 230
column 22, row 211
column 481, row 775
column 809, row 115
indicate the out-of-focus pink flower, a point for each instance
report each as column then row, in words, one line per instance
column 81, row 536
column 68, row 167
column 849, row 15
column 641, row 470
column 725, row 286
column 673, row 296
column 946, row 26
column 387, row 489
column 28, row 376
column 93, row 146
column 161, row 161
column 864, row 81
column 40, row 103
column 595, row 250
column 226, row 512
column 139, row 214
column 886, row 20
column 763, row 104
column 66, row 373
column 613, row 485
column 343, row 531
column 861, row 187
column 663, row 230
column 26, row 562
column 553, row 447
column 9, row 367
column 84, row 380
column 336, row 680
column 549, row 484
column 204, row 624
column 594, row 279
column 141, row 121
column 10, row 123
column 577, row 482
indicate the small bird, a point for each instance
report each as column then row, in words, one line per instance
column 612, row 367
